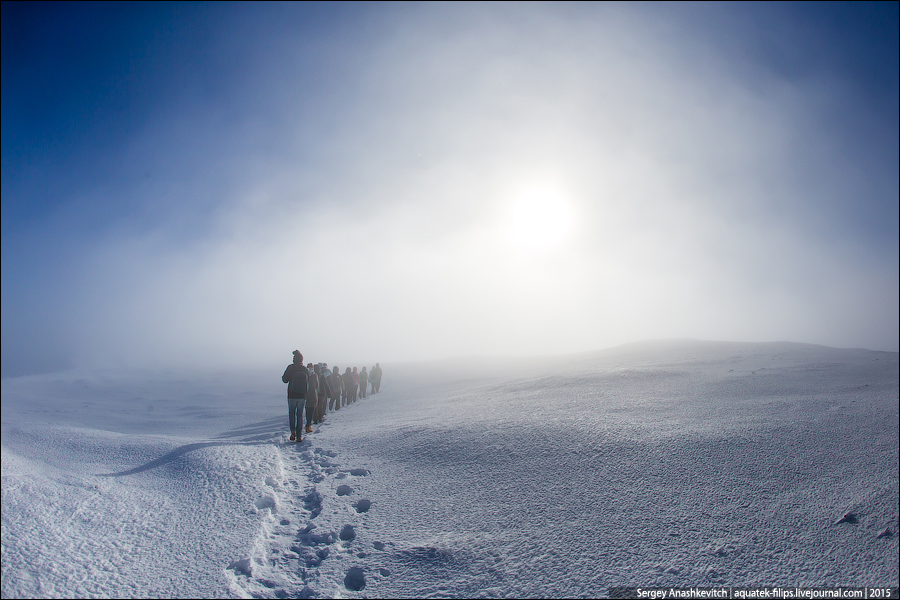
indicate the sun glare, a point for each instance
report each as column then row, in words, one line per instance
column 539, row 219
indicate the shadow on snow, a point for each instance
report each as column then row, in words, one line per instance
column 254, row 434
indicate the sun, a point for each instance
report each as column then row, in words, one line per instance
column 538, row 219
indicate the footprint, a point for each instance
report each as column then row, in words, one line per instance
column 243, row 565
column 384, row 572
column 313, row 503
column 313, row 560
column 344, row 490
column 265, row 502
column 358, row 472
column 362, row 506
column 378, row 545
column 355, row 579
column 309, row 537
column 348, row 534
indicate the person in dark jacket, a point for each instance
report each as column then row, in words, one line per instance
column 376, row 374
column 329, row 391
column 296, row 376
column 363, row 382
column 337, row 386
column 319, row 415
column 348, row 386
column 312, row 396
column 354, row 391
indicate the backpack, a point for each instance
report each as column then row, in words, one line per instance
column 298, row 383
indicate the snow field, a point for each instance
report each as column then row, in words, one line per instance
column 659, row 464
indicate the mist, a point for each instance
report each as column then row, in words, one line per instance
column 390, row 183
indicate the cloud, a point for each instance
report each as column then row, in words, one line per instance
column 367, row 219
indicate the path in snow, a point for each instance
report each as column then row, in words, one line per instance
column 314, row 512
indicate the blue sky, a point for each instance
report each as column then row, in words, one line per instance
column 188, row 184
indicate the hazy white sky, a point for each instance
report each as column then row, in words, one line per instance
column 226, row 183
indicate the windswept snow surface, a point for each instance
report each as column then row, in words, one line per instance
column 675, row 464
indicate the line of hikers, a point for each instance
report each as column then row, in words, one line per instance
column 318, row 389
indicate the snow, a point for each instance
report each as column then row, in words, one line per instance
column 676, row 463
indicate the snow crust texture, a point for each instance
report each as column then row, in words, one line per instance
column 671, row 464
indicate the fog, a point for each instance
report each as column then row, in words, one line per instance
column 384, row 183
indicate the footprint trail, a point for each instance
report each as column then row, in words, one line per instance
column 308, row 545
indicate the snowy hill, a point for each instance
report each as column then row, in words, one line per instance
column 660, row 463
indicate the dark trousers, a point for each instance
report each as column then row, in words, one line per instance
column 310, row 412
column 320, row 410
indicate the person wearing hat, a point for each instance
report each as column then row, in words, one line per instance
column 297, row 378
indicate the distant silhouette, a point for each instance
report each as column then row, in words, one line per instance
column 377, row 375
column 319, row 415
column 348, row 386
column 329, row 384
column 337, row 387
column 363, row 383
column 312, row 396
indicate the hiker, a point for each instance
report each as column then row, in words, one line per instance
column 377, row 375
column 336, row 389
column 347, row 378
column 319, row 415
column 296, row 377
column 312, row 396
column 363, row 383
column 345, row 385
column 354, row 385
column 372, row 380
column 329, row 391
